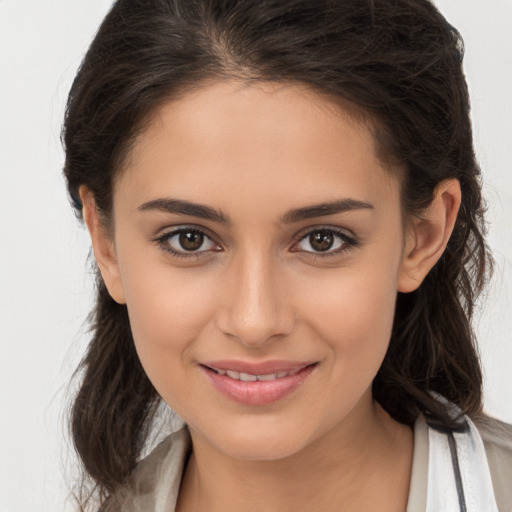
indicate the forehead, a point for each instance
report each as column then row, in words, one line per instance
column 276, row 143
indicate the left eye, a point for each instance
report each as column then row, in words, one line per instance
column 323, row 241
column 185, row 241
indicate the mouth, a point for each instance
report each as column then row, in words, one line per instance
column 257, row 383
column 250, row 377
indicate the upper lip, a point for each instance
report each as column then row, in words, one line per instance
column 261, row 368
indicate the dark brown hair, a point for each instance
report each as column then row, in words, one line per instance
column 398, row 63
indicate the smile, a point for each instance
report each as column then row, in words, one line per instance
column 257, row 384
column 249, row 377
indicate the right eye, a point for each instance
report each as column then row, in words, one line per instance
column 187, row 242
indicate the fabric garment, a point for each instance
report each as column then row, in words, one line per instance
column 481, row 459
column 465, row 471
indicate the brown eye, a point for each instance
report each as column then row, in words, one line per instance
column 187, row 242
column 324, row 241
column 191, row 240
column 321, row 240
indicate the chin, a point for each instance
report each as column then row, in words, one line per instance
column 257, row 441
column 262, row 449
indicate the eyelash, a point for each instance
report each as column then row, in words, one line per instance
column 163, row 242
column 348, row 242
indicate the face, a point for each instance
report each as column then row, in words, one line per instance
column 258, row 244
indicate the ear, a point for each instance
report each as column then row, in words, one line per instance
column 426, row 240
column 102, row 245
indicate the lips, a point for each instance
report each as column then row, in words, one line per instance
column 257, row 383
column 249, row 377
column 262, row 368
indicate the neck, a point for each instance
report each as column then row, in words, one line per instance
column 360, row 465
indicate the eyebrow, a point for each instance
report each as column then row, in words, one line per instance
column 179, row 206
column 329, row 208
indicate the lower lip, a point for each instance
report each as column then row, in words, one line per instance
column 257, row 392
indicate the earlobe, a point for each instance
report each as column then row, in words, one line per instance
column 102, row 245
column 426, row 240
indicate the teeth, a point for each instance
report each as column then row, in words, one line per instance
column 248, row 377
column 268, row 376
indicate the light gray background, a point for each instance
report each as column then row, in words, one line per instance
column 45, row 291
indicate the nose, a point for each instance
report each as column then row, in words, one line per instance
column 256, row 307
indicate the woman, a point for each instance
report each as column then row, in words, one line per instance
column 285, row 211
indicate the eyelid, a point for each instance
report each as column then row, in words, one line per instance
column 349, row 239
column 168, row 233
column 177, row 228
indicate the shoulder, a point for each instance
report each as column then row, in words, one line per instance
column 495, row 432
column 481, row 446
column 155, row 481
column 497, row 438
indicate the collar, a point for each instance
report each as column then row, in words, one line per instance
column 450, row 472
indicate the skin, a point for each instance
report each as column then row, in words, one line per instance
column 258, row 291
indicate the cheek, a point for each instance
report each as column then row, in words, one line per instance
column 353, row 311
column 168, row 311
column 353, row 320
